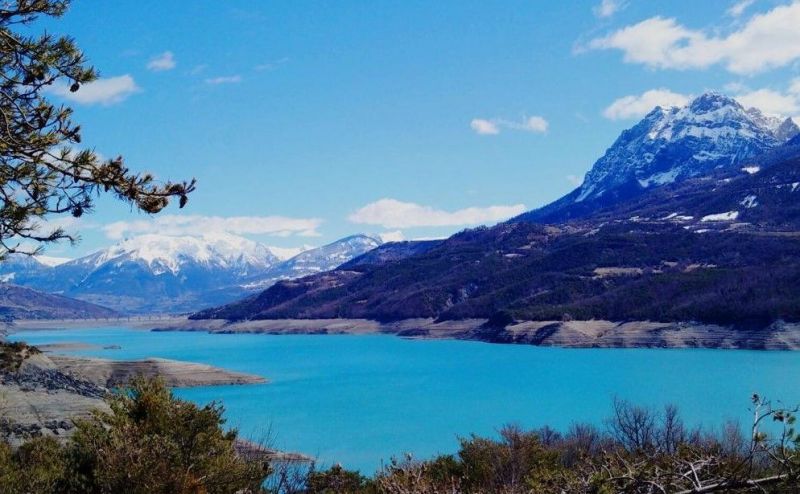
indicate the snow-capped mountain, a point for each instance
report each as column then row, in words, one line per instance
column 313, row 261
column 162, row 273
column 19, row 268
column 670, row 145
column 162, row 254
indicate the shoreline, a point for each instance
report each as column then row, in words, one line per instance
column 176, row 373
column 566, row 334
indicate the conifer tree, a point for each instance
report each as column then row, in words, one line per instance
column 45, row 169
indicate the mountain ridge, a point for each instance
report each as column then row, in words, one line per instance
column 18, row 302
column 712, row 132
column 162, row 273
column 720, row 243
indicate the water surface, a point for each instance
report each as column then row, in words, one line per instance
column 359, row 400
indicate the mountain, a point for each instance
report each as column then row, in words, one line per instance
column 315, row 260
column 21, row 268
column 18, row 302
column 713, row 132
column 160, row 273
column 718, row 244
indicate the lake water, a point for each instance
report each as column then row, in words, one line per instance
column 359, row 400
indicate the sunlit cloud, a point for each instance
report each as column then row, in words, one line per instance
column 103, row 91
column 636, row 106
column 765, row 41
column 493, row 126
column 607, row 8
column 278, row 226
column 232, row 79
column 164, row 61
column 391, row 213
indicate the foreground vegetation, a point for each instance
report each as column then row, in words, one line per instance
column 152, row 442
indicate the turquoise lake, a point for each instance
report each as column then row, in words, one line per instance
column 359, row 400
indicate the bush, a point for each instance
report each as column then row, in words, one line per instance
column 152, row 442
column 38, row 466
column 336, row 480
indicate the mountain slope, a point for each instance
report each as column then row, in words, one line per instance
column 719, row 245
column 315, row 260
column 18, row 302
column 713, row 132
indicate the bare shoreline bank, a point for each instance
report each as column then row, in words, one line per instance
column 567, row 334
column 113, row 373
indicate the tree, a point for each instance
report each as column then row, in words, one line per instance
column 42, row 171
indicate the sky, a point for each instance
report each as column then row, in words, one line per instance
column 304, row 122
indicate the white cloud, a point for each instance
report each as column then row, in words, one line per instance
column 763, row 42
column 284, row 253
column 232, row 79
column 394, row 236
column 794, row 86
column 771, row 101
column 739, row 7
column 197, row 69
column 271, row 65
column 531, row 124
column 391, row 213
column 635, row 106
column 484, row 127
column 104, row 91
column 165, row 61
column 279, row 226
column 735, row 87
column 607, row 8
column 574, row 180
column 493, row 126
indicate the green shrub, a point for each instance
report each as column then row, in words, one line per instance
column 152, row 442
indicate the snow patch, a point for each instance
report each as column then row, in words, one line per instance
column 728, row 216
column 661, row 178
column 678, row 217
column 749, row 201
column 751, row 170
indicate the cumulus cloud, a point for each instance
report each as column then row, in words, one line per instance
column 164, row 61
column 393, row 236
column 279, row 226
column 103, row 91
column 493, row 126
column 763, row 42
column 794, row 86
column 771, row 101
column 636, row 106
column 484, row 127
column 784, row 103
column 231, row 79
column 739, row 7
column 607, row 8
column 284, row 253
column 391, row 213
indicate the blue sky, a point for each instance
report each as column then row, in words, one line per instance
column 307, row 121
